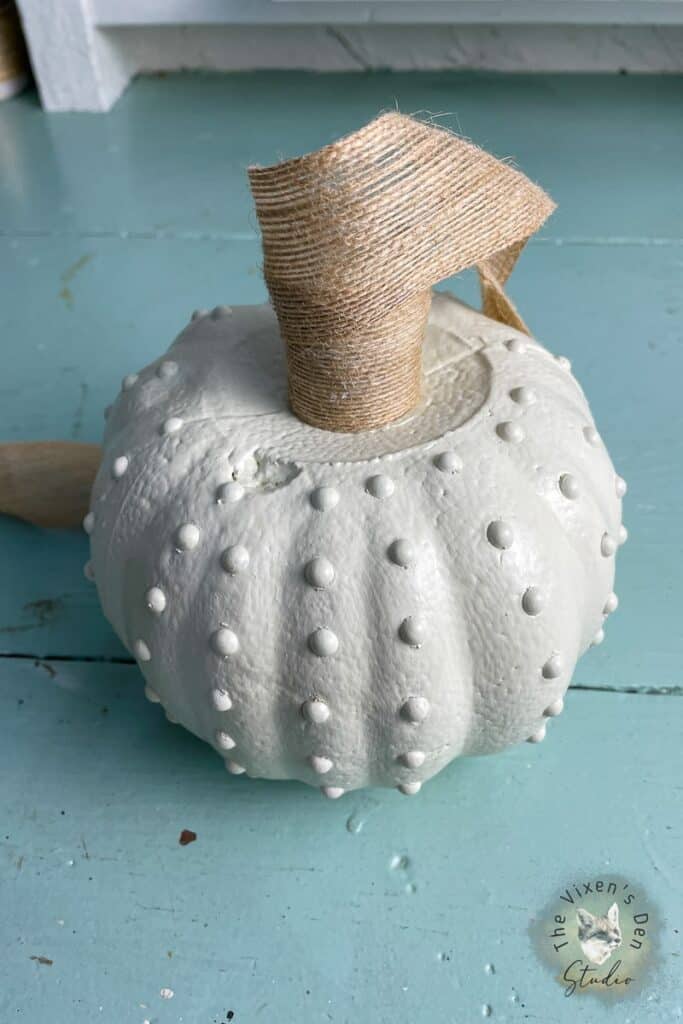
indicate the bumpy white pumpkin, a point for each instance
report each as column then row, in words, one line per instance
column 355, row 610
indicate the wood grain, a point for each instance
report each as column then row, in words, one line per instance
column 288, row 908
column 374, row 908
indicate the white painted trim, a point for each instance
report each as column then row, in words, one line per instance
column 388, row 12
column 324, row 48
column 77, row 67
column 81, row 65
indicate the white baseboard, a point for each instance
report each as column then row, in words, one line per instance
column 82, row 65
column 399, row 47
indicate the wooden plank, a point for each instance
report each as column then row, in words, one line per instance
column 288, row 907
column 170, row 160
column 612, row 309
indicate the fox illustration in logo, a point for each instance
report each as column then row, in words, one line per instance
column 599, row 936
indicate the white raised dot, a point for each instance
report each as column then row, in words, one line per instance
column 172, row 425
column 234, row 768
column 128, row 382
column 218, row 312
column 415, row 709
column 523, row 395
column 413, row 631
column 402, row 552
column 89, row 572
column 499, row 534
column 448, row 462
column 611, row 604
column 608, row 545
column 235, row 559
column 412, row 758
column 510, row 431
column 569, row 486
column 167, row 369
column 229, row 493
column 319, row 573
column 622, row 534
column 409, row 788
column 198, row 314
column 553, row 667
column 225, row 642
column 515, row 345
column 89, row 522
column 324, row 498
column 221, row 699
column 620, row 486
column 320, row 765
column 592, row 436
column 141, row 651
column 538, row 736
column 554, row 709
column 380, row 486
column 119, row 467
column 315, row 710
column 152, row 695
column 532, row 601
column 155, row 599
column 323, row 642
column 187, row 537
column 563, row 362
column 332, row 792
column 598, row 638
column 224, row 740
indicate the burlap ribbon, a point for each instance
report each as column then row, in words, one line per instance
column 355, row 235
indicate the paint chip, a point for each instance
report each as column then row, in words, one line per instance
column 187, row 836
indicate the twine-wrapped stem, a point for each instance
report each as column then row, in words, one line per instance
column 355, row 235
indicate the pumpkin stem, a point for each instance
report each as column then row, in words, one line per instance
column 354, row 237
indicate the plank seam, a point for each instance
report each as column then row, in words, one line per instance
column 103, row 659
column 623, row 241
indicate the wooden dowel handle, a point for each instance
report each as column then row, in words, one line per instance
column 47, row 483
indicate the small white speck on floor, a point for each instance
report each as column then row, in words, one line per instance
column 60, row 922
column 399, row 861
column 167, row 993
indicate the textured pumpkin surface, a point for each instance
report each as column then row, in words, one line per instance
column 353, row 610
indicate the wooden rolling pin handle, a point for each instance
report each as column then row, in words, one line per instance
column 47, row 483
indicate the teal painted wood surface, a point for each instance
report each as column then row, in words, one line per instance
column 112, row 229
column 286, row 907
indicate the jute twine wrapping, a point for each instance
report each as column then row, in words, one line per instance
column 355, row 235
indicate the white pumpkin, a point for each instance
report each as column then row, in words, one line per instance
column 355, row 610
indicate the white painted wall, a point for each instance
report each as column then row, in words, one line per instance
column 85, row 51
